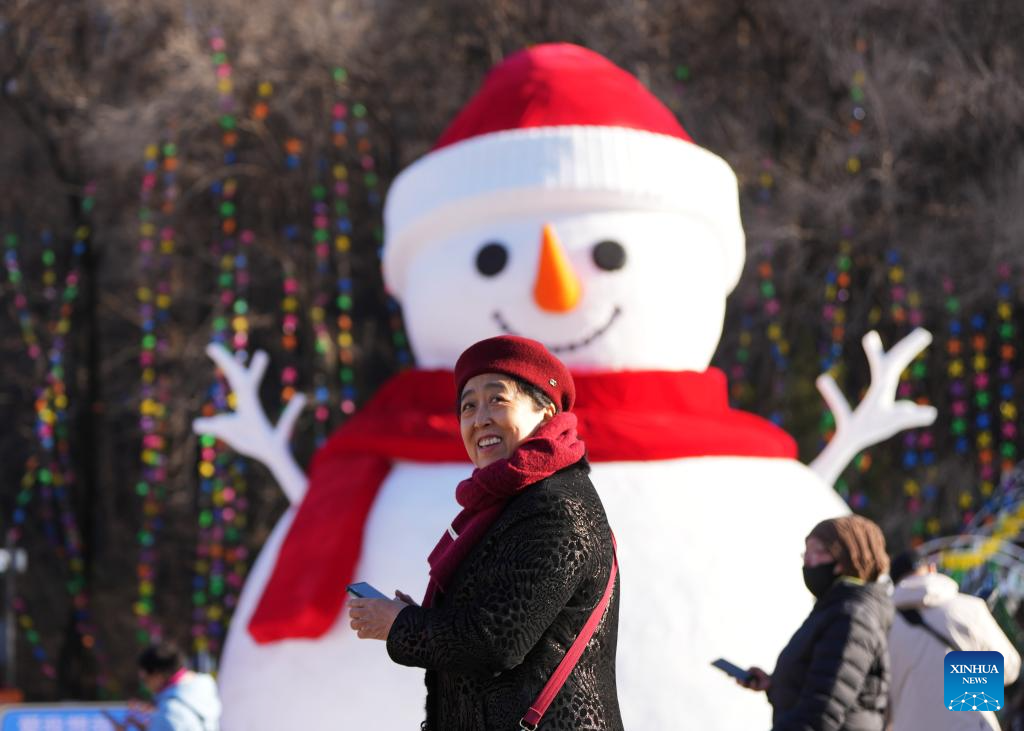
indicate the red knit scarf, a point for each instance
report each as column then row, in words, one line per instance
column 483, row 495
column 631, row 415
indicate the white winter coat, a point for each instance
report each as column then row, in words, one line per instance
column 189, row 705
column 917, row 656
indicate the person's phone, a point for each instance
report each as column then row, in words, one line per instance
column 365, row 591
column 734, row 670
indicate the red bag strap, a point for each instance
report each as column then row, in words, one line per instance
column 539, row 707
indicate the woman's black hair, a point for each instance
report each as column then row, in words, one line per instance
column 164, row 658
column 540, row 399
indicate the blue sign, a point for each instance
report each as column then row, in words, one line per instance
column 61, row 717
column 973, row 681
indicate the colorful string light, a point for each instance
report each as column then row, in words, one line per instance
column 322, row 342
column 156, row 250
column 837, row 294
column 918, row 452
column 838, row 280
column 983, row 440
column 959, row 385
column 15, row 278
column 22, row 501
column 222, row 481
column 1006, row 333
column 289, row 341
column 765, row 303
column 289, row 323
column 770, row 305
column 370, row 180
column 53, row 471
column 996, row 448
column 343, row 246
column 30, row 338
column 230, row 568
column 740, row 387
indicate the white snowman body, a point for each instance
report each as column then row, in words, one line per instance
column 709, row 547
column 709, row 550
column 615, row 247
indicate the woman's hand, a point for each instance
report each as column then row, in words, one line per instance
column 372, row 618
column 406, row 598
column 759, row 679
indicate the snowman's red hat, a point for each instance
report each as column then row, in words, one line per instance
column 553, row 127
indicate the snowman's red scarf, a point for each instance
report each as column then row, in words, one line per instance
column 623, row 416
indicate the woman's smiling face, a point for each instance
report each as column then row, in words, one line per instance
column 495, row 417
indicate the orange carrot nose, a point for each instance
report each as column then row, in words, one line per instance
column 557, row 288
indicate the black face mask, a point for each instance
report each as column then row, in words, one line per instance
column 819, row 578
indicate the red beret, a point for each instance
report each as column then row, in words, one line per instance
column 522, row 358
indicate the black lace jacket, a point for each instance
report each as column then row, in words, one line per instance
column 834, row 673
column 512, row 610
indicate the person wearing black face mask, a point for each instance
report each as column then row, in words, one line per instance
column 819, row 578
column 834, row 673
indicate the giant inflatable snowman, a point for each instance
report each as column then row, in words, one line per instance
column 564, row 203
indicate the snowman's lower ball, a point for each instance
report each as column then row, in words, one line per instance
column 709, row 551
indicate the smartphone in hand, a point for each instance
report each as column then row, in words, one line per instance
column 365, row 591
column 733, row 670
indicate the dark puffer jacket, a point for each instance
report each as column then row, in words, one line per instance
column 834, row 673
column 514, row 606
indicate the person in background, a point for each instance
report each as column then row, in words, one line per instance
column 185, row 700
column 834, row 673
column 933, row 618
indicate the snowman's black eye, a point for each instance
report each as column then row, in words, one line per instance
column 491, row 258
column 609, row 255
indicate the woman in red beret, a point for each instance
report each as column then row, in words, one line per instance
column 519, row 623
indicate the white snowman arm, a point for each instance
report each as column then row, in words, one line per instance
column 247, row 429
column 879, row 416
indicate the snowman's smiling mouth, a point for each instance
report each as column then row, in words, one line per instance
column 564, row 347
